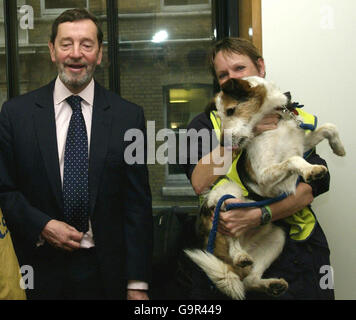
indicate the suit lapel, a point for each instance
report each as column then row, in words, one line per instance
column 45, row 126
column 100, row 130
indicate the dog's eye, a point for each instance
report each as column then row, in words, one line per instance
column 230, row 112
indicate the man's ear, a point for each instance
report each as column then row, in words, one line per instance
column 51, row 51
column 236, row 88
column 100, row 55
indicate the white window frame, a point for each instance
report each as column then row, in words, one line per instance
column 2, row 10
column 186, row 7
column 58, row 11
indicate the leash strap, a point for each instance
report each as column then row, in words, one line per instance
column 214, row 228
column 212, row 234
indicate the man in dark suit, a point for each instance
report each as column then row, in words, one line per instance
column 77, row 212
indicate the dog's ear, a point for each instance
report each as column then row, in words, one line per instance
column 289, row 96
column 237, row 88
column 211, row 106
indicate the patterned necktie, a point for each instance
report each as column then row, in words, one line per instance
column 75, row 176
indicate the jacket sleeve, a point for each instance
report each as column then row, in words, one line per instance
column 22, row 219
column 138, row 215
column 321, row 185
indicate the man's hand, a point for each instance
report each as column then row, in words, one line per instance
column 268, row 122
column 61, row 235
column 137, row 294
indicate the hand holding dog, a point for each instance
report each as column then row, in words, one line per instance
column 268, row 122
column 238, row 220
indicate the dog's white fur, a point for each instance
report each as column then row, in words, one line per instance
column 276, row 160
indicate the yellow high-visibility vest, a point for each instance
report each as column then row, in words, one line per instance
column 10, row 275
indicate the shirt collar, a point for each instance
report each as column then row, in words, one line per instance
column 61, row 92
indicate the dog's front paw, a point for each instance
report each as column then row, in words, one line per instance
column 277, row 287
column 314, row 172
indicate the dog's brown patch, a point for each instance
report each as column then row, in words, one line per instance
column 236, row 100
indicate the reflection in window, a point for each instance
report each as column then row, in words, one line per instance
column 184, row 2
column 158, row 54
column 3, row 83
column 22, row 33
column 183, row 103
column 185, row 5
column 50, row 6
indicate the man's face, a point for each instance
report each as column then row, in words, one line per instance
column 76, row 53
column 236, row 66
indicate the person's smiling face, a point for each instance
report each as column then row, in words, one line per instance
column 76, row 52
column 233, row 65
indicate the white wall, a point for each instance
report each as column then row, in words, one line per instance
column 310, row 49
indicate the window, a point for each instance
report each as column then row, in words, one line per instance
column 183, row 103
column 55, row 7
column 185, row 5
column 164, row 69
column 3, row 83
column 2, row 31
column 22, row 32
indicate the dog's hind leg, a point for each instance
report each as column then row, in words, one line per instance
column 264, row 251
column 239, row 257
column 326, row 131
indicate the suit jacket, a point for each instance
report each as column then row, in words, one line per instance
column 120, row 198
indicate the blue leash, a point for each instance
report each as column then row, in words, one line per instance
column 212, row 234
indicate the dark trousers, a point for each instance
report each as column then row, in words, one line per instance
column 60, row 275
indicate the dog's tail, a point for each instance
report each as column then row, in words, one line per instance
column 219, row 273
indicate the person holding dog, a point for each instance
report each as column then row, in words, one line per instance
column 303, row 255
column 78, row 214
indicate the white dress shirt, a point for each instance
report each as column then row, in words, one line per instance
column 63, row 113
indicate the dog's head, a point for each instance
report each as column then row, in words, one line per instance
column 241, row 104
